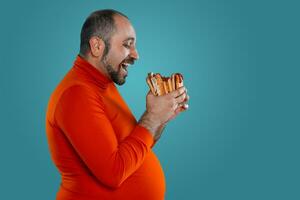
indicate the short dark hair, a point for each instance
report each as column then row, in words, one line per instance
column 100, row 23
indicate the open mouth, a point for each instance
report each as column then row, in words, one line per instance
column 124, row 66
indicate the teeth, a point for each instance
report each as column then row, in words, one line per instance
column 124, row 67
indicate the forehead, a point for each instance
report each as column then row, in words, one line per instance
column 124, row 29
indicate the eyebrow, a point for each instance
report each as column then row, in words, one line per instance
column 130, row 38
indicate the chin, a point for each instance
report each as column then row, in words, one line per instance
column 120, row 81
column 116, row 76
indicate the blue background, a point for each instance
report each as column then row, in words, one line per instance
column 240, row 59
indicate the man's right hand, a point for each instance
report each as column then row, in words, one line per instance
column 161, row 109
column 164, row 108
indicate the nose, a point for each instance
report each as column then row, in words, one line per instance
column 134, row 54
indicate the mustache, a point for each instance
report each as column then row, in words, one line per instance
column 129, row 60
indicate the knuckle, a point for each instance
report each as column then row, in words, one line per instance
column 173, row 102
column 171, row 105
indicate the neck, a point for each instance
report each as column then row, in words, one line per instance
column 94, row 61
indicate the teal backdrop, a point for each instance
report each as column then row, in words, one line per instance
column 240, row 60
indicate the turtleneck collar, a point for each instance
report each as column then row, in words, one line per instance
column 81, row 64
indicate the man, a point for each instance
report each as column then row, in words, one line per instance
column 99, row 148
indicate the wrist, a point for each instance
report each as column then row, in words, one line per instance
column 148, row 121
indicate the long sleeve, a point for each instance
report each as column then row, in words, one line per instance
column 80, row 114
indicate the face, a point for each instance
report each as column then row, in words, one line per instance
column 122, row 51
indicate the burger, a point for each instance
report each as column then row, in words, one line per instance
column 160, row 85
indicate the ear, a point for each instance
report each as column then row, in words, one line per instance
column 97, row 46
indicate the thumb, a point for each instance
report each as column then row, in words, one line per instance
column 150, row 93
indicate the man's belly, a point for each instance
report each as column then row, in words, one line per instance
column 147, row 183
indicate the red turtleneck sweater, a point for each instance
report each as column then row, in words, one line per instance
column 95, row 142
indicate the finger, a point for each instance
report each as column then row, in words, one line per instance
column 183, row 105
column 187, row 98
column 181, row 97
column 178, row 92
column 180, row 109
column 184, row 102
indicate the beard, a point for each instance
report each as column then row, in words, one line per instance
column 115, row 75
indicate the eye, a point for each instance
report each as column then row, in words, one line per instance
column 127, row 46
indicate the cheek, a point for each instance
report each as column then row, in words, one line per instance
column 118, row 56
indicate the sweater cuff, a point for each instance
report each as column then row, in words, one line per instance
column 144, row 135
